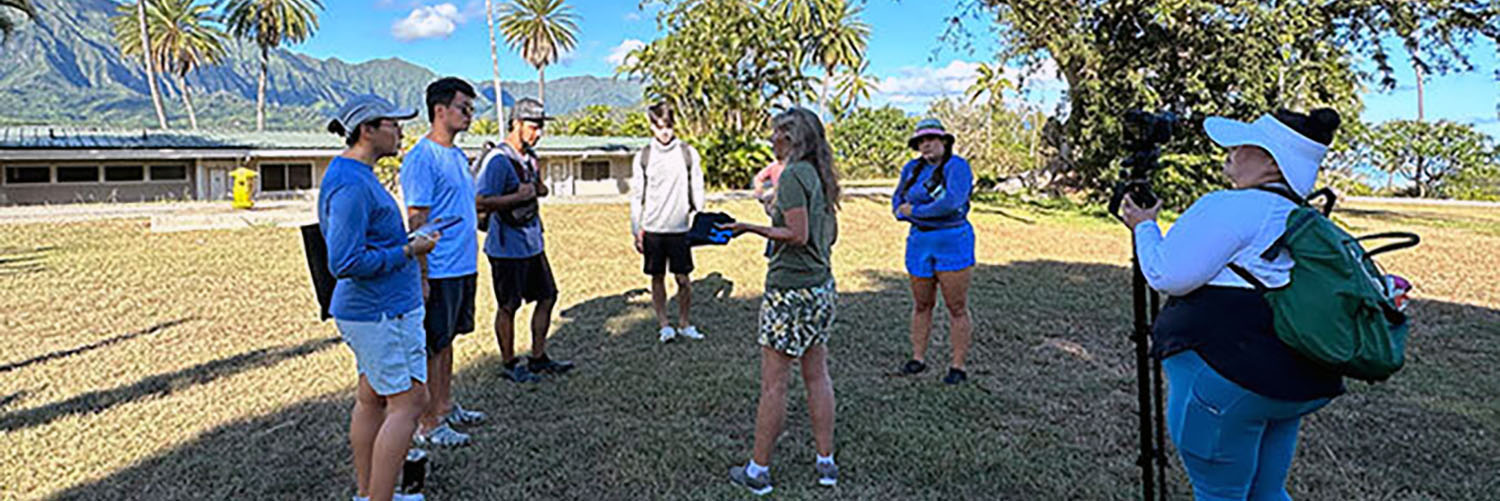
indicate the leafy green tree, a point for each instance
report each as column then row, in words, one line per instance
column 635, row 125
column 1431, row 154
column 592, row 120
column 484, row 127
column 1202, row 57
column 270, row 23
column 870, row 143
column 542, row 30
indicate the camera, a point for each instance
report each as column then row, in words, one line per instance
column 1144, row 134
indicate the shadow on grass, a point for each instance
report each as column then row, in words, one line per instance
column 1049, row 413
column 158, row 385
column 22, row 260
column 94, row 346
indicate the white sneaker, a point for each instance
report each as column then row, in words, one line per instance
column 690, row 332
column 668, row 334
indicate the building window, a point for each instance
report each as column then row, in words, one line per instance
column 168, row 173
column 70, row 174
column 28, row 175
column 285, row 177
column 124, row 173
column 594, row 171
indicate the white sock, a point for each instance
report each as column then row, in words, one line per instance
column 825, row 460
column 753, row 470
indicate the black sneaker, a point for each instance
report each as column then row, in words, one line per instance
column 547, row 365
column 759, row 486
column 955, row 376
column 519, row 374
column 913, row 367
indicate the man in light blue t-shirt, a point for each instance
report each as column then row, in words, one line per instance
column 439, row 191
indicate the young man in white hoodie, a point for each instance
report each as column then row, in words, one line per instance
column 666, row 189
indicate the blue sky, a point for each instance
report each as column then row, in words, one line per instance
column 913, row 67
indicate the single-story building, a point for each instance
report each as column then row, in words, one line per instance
column 54, row 165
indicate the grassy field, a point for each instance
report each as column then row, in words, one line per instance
column 192, row 366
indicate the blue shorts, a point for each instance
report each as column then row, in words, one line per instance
column 390, row 352
column 944, row 250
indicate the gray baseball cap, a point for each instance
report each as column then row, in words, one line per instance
column 529, row 109
column 364, row 108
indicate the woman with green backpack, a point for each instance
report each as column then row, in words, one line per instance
column 1236, row 393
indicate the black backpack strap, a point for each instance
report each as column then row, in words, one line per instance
column 645, row 181
column 1409, row 240
column 1249, row 277
column 687, row 161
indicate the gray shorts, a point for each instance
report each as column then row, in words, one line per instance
column 390, row 352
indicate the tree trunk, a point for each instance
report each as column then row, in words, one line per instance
column 541, row 85
column 1421, row 115
column 260, row 90
column 187, row 101
column 140, row 14
column 823, row 97
column 489, row 15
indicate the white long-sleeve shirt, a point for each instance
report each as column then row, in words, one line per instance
column 668, row 183
column 1220, row 228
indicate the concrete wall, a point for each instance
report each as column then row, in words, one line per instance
column 55, row 192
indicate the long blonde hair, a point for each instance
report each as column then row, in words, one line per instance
column 804, row 131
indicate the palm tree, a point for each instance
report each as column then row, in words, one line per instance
column 541, row 30
column 185, row 41
column 850, row 87
column 7, row 25
column 489, row 17
column 135, row 41
column 991, row 82
column 841, row 42
column 270, row 23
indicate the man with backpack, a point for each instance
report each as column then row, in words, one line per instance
column 666, row 190
column 509, row 185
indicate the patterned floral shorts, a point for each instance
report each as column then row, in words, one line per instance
column 793, row 320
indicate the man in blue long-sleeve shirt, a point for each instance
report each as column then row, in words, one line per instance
column 933, row 196
column 377, row 303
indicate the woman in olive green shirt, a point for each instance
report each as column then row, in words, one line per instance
column 797, row 312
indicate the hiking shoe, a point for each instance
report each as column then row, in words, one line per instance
column 546, row 365
column 442, row 436
column 913, row 366
column 667, row 334
column 760, row 485
column 955, row 376
column 460, row 416
column 690, row 332
column 828, row 474
column 519, row 374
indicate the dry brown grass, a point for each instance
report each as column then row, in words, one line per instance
column 192, row 366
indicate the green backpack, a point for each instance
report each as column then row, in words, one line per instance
column 1337, row 309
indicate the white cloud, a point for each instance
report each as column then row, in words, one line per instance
column 434, row 21
column 919, row 85
column 618, row 54
column 632, row 16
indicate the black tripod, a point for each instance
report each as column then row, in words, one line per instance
column 1145, row 132
column 1149, row 394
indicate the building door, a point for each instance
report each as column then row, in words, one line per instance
column 218, row 183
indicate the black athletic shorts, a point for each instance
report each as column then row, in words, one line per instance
column 667, row 251
column 526, row 279
column 450, row 310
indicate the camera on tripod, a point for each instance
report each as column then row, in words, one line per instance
column 1144, row 134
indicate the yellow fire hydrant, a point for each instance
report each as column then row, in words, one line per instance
column 242, row 188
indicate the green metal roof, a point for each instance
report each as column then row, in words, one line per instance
column 73, row 138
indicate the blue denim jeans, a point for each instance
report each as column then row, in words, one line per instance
column 1235, row 443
